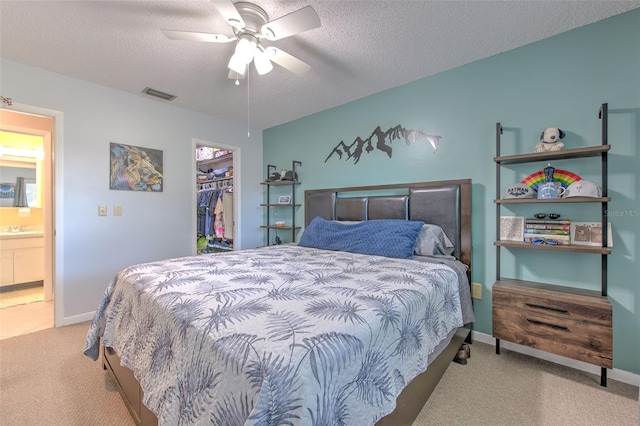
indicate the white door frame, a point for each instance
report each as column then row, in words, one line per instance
column 53, row 221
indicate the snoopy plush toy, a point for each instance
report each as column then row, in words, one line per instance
column 550, row 140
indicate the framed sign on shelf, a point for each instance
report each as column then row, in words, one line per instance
column 284, row 199
column 511, row 228
column 590, row 234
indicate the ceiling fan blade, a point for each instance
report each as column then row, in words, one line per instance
column 287, row 61
column 229, row 13
column 193, row 36
column 301, row 20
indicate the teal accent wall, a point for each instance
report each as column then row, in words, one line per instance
column 558, row 82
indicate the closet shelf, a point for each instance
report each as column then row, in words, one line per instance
column 221, row 159
column 215, row 180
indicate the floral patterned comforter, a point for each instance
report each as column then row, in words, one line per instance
column 281, row 335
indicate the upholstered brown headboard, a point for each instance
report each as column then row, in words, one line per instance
column 443, row 203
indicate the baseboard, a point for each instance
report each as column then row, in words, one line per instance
column 613, row 374
column 88, row 316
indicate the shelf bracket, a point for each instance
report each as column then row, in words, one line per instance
column 293, row 169
column 269, row 167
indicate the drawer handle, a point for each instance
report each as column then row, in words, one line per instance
column 548, row 324
column 533, row 305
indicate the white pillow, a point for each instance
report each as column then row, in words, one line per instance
column 432, row 241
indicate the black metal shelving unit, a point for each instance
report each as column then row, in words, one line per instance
column 293, row 205
column 576, row 153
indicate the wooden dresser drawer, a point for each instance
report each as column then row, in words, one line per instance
column 578, row 340
column 554, row 301
column 570, row 322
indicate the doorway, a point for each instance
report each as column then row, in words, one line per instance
column 215, row 205
column 26, row 242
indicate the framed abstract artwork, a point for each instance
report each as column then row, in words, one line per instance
column 134, row 168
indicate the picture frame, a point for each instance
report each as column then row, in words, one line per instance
column 284, row 199
column 590, row 234
column 134, row 168
column 7, row 190
column 511, row 228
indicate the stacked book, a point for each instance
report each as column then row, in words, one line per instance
column 544, row 231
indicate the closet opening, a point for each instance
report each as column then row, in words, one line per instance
column 215, row 201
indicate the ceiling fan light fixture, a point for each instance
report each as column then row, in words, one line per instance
column 262, row 62
column 237, row 64
column 251, row 24
column 246, row 48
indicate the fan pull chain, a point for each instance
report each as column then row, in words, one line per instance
column 248, row 111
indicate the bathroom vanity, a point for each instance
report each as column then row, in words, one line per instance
column 21, row 257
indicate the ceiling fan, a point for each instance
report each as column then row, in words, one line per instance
column 251, row 25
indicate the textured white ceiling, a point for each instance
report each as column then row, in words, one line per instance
column 362, row 47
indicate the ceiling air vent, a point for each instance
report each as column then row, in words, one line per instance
column 158, row 94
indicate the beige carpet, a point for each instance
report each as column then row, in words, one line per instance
column 46, row 380
column 515, row 389
column 21, row 297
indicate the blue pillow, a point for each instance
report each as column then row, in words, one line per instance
column 382, row 237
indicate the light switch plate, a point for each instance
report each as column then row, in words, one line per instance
column 476, row 291
column 117, row 210
column 102, row 210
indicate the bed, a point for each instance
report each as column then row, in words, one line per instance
column 303, row 333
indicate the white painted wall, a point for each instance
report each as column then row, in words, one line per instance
column 90, row 250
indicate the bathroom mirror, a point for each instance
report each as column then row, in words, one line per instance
column 9, row 175
column 22, row 156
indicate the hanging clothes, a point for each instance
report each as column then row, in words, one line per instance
column 215, row 210
column 206, row 201
column 218, row 224
column 227, row 213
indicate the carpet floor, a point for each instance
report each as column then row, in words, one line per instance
column 46, row 380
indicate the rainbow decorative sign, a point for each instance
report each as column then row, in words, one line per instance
column 565, row 178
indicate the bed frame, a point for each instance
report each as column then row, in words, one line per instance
column 443, row 203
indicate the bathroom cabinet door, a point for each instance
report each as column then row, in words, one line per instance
column 28, row 264
column 6, row 267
